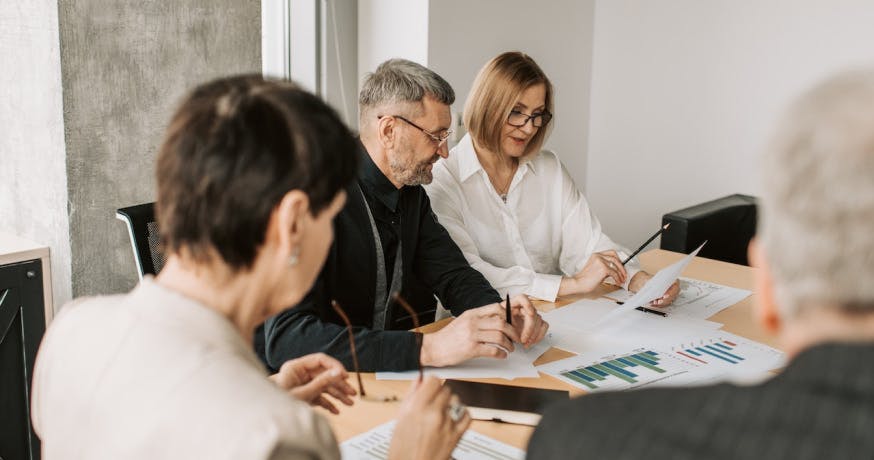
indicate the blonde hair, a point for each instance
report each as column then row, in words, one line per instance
column 495, row 91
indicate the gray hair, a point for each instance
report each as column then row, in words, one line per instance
column 401, row 81
column 817, row 224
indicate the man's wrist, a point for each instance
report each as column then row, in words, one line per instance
column 425, row 355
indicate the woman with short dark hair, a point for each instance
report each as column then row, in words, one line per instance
column 250, row 176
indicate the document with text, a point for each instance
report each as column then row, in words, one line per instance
column 375, row 443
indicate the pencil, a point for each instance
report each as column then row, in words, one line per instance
column 646, row 243
column 509, row 312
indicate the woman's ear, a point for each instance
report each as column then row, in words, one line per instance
column 766, row 310
column 290, row 218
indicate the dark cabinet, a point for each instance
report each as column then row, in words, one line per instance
column 22, row 323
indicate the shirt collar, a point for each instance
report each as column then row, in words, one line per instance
column 468, row 163
column 376, row 182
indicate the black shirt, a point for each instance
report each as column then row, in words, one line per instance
column 432, row 264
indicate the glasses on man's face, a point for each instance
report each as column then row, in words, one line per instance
column 437, row 139
column 519, row 119
column 370, row 397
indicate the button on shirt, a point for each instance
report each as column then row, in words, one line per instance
column 543, row 231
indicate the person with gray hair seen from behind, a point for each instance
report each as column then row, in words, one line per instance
column 388, row 240
column 815, row 262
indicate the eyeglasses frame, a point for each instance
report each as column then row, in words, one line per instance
column 546, row 116
column 439, row 140
column 406, row 306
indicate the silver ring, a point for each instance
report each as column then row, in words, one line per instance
column 610, row 264
column 456, row 411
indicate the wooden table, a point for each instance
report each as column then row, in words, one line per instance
column 738, row 319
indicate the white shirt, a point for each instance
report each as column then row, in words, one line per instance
column 543, row 231
column 152, row 374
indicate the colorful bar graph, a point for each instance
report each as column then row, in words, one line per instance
column 723, row 351
column 597, row 374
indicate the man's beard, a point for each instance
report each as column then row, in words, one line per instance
column 409, row 173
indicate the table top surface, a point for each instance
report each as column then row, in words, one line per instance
column 737, row 319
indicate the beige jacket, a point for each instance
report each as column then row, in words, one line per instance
column 153, row 375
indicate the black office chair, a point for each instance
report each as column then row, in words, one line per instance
column 727, row 224
column 143, row 231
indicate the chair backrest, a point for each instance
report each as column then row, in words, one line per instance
column 727, row 224
column 143, row 231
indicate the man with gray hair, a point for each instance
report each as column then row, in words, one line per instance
column 814, row 289
column 388, row 240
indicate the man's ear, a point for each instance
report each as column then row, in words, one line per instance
column 385, row 132
column 766, row 310
column 289, row 218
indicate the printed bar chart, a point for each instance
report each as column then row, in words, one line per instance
column 700, row 359
column 624, row 371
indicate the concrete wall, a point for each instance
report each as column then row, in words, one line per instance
column 33, row 175
column 464, row 35
column 125, row 66
column 685, row 94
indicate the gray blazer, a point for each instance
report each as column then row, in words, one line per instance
column 821, row 406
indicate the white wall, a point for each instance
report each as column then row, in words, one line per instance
column 33, row 174
column 391, row 28
column 464, row 35
column 340, row 58
column 685, row 94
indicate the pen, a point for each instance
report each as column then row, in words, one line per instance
column 650, row 310
column 509, row 313
column 646, row 310
column 646, row 243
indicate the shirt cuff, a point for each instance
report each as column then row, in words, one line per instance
column 544, row 287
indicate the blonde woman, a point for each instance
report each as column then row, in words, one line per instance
column 511, row 207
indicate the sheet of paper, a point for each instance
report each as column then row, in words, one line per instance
column 700, row 359
column 656, row 286
column 374, row 444
column 578, row 328
column 697, row 299
column 520, row 363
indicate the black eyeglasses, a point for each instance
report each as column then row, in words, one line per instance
column 518, row 119
column 378, row 398
column 435, row 138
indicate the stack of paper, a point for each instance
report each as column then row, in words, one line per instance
column 697, row 299
column 519, row 363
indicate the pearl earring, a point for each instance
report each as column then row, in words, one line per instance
column 294, row 258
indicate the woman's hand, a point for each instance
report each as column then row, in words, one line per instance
column 599, row 267
column 640, row 278
column 311, row 377
column 424, row 428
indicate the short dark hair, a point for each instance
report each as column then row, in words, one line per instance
column 233, row 149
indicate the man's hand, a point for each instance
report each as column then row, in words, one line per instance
column 484, row 331
column 599, row 267
column 640, row 278
column 424, row 428
column 310, row 377
column 527, row 321
column 481, row 331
